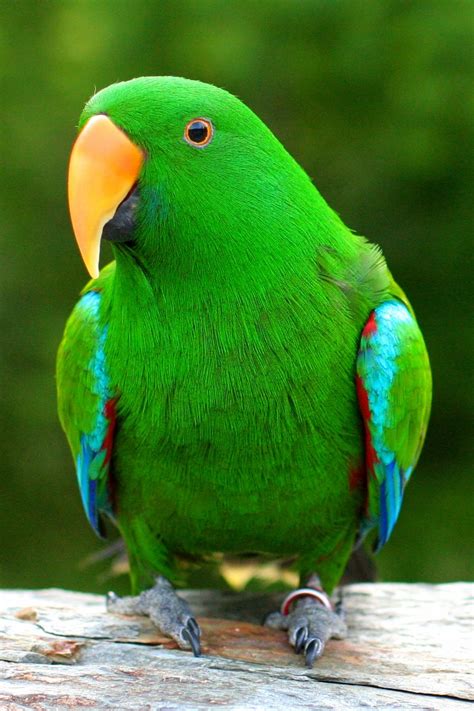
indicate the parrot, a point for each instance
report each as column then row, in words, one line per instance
column 245, row 377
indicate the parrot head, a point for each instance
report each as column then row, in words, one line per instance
column 174, row 170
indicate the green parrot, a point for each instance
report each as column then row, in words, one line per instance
column 245, row 376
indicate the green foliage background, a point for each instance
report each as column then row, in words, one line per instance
column 374, row 99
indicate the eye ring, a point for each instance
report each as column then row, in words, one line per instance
column 198, row 132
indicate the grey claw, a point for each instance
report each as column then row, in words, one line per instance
column 190, row 635
column 313, row 650
column 194, row 627
column 300, row 638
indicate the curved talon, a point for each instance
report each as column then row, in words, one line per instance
column 310, row 620
column 194, row 627
column 189, row 634
column 300, row 638
column 313, row 650
column 166, row 610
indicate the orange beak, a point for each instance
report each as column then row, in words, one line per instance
column 103, row 167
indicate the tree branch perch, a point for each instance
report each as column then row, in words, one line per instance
column 409, row 647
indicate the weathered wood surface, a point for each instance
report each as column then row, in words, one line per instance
column 409, row 647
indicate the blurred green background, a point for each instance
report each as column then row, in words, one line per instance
column 374, row 99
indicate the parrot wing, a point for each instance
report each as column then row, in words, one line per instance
column 393, row 381
column 87, row 405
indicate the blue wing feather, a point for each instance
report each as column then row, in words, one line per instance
column 394, row 390
column 87, row 405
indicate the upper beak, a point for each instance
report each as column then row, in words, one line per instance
column 103, row 167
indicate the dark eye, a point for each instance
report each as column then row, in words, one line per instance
column 198, row 132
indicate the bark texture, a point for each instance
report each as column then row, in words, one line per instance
column 409, row 647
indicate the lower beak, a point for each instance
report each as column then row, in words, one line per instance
column 103, row 167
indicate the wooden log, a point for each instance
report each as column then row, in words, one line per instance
column 409, row 647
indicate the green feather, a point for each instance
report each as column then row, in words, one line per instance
column 233, row 324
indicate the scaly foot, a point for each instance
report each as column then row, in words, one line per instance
column 170, row 613
column 310, row 619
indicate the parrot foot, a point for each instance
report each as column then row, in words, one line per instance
column 311, row 622
column 170, row 613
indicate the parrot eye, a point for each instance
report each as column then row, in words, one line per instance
column 198, row 132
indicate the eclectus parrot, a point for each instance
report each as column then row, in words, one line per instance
column 246, row 376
